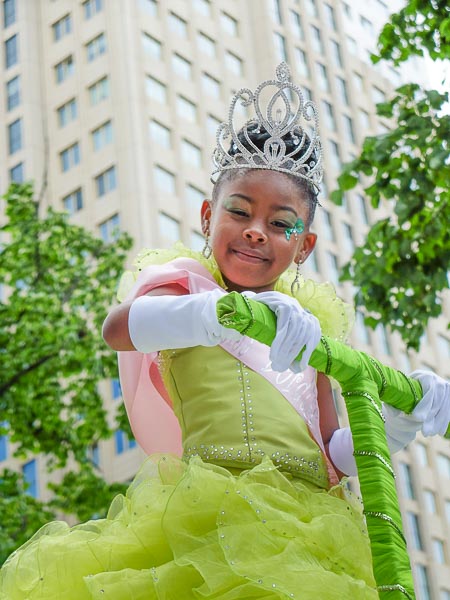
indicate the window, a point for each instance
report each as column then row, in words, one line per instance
column 96, row 47
column 430, row 501
column 414, row 529
column 364, row 118
column 351, row 45
column 330, row 16
column 447, row 510
column 116, row 389
column 311, row 7
column 67, row 112
column 342, row 90
column 164, row 180
column 366, row 24
column 102, row 136
column 316, row 39
column 169, row 228
column 280, row 46
column 296, row 24
column 99, row 91
column 15, row 136
column 361, row 328
column 13, row 93
column 349, row 130
column 181, row 66
column 335, row 156
column 9, row 12
column 347, row 10
column 160, row 134
column 70, row 157
column 30, row 476
column 234, row 63
column 443, row 344
column 383, row 339
column 62, row 27
column 327, row 225
column 359, row 82
column 423, row 585
column 110, row 229
column 322, row 76
column 212, row 124
column 150, row 6
column 186, row 109
column 191, row 153
column 301, row 63
column 64, row 69
column 229, row 24
column 3, row 442
column 336, row 53
column 197, row 241
column 93, row 454
column 422, row 454
column 443, row 463
column 362, row 208
column 276, row 11
column 328, row 115
column 194, row 198
column 152, row 47
column 438, row 551
column 11, row 51
column 211, row 86
column 206, row 45
column 177, row 25
column 16, row 173
column 123, row 442
column 73, row 202
column 407, row 481
column 445, row 595
column 92, row 7
column 156, row 90
column 106, row 181
column 348, row 238
column 333, row 269
column 378, row 95
column 203, row 7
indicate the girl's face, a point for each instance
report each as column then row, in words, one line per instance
column 247, row 226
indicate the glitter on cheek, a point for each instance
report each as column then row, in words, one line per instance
column 299, row 227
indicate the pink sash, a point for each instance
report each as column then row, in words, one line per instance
column 148, row 405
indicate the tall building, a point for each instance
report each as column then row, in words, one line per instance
column 111, row 107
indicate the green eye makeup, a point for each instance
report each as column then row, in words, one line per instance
column 299, row 227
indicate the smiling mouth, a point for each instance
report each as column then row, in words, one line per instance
column 248, row 257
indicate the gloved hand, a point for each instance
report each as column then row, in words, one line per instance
column 166, row 322
column 431, row 415
column 433, row 411
column 401, row 428
column 296, row 329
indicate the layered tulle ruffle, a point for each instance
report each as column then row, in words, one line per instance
column 197, row 531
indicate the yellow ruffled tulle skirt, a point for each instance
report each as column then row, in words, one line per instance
column 196, row 531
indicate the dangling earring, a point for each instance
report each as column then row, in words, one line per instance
column 207, row 250
column 295, row 285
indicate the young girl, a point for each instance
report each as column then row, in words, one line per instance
column 253, row 508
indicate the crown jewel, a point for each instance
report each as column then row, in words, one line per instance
column 286, row 115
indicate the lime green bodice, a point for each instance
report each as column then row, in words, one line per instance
column 232, row 416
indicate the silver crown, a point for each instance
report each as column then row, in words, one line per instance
column 308, row 165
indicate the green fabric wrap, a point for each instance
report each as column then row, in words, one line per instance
column 364, row 382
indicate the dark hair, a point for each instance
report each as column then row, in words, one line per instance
column 258, row 136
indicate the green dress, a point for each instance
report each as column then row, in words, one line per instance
column 246, row 513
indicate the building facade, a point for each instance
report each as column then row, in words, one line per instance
column 111, row 108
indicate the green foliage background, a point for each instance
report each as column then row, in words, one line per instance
column 59, row 282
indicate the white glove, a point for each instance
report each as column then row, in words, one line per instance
column 340, row 450
column 431, row 415
column 401, row 428
column 433, row 411
column 166, row 322
column 296, row 329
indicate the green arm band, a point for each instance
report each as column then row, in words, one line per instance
column 364, row 382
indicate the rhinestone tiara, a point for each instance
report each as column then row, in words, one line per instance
column 286, row 113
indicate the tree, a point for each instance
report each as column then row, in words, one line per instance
column 402, row 269
column 58, row 282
